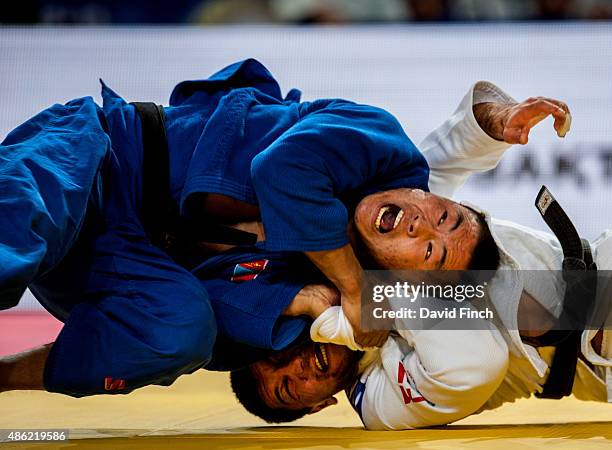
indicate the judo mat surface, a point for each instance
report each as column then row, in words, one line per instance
column 199, row 411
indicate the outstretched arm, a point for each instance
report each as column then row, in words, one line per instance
column 24, row 371
column 485, row 124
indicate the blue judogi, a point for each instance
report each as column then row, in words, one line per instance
column 249, row 288
column 71, row 183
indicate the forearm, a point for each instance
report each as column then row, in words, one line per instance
column 24, row 371
column 490, row 118
column 342, row 268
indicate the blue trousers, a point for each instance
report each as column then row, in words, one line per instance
column 70, row 231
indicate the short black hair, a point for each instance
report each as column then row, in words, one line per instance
column 486, row 253
column 245, row 386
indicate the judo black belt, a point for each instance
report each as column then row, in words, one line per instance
column 159, row 213
column 580, row 276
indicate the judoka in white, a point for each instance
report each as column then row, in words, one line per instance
column 436, row 376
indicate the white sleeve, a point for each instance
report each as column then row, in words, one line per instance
column 443, row 376
column 332, row 326
column 459, row 148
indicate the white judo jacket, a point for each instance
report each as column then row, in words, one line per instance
column 431, row 377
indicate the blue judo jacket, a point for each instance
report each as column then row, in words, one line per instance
column 304, row 164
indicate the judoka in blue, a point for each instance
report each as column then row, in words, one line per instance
column 71, row 184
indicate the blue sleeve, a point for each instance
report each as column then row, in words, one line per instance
column 333, row 156
column 251, row 312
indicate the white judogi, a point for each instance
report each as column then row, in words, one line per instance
column 431, row 377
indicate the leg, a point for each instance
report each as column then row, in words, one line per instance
column 24, row 371
column 47, row 169
column 140, row 320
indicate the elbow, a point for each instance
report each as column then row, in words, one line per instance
column 459, row 388
column 267, row 167
column 484, row 368
column 260, row 167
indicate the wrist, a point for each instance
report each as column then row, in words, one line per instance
column 351, row 285
column 317, row 307
column 312, row 300
column 492, row 118
column 341, row 267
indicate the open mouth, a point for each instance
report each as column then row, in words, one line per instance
column 321, row 360
column 388, row 218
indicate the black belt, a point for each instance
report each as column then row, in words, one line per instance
column 159, row 213
column 580, row 276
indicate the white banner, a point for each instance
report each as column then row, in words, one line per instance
column 419, row 73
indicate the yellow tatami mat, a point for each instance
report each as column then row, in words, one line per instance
column 199, row 411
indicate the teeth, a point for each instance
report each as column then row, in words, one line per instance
column 380, row 214
column 321, row 365
column 318, row 363
column 398, row 219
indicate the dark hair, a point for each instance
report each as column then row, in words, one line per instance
column 486, row 254
column 245, row 387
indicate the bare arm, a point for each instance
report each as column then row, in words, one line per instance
column 24, row 371
column 342, row 268
column 314, row 299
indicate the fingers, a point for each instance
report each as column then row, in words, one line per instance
column 559, row 103
column 563, row 127
column 544, row 105
column 524, row 116
column 558, row 109
column 378, row 339
column 372, row 338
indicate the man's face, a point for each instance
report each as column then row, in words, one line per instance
column 411, row 229
column 306, row 376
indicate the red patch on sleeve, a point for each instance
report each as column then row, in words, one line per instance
column 111, row 384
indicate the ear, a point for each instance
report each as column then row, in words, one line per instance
column 329, row 401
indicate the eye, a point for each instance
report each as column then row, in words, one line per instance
column 429, row 249
column 443, row 218
column 287, row 393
